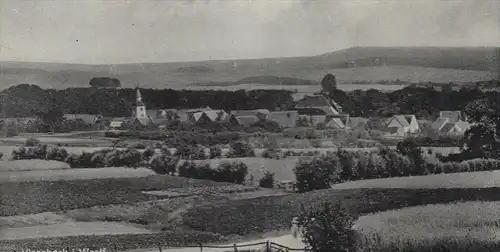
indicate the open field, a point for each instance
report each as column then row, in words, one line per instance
column 438, row 64
column 465, row 226
column 48, row 196
column 75, row 174
column 452, row 180
column 31, row 165
column 56, row 140
column 70, row 229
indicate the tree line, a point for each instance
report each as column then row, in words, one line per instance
column 30, row 100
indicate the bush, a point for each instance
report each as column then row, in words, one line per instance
column 240, row 149
column 199, row 153
column 55, row 153
column 272, row 153
column 148, row 153
column 163, row 164
column 319, row 173
column 31, row 142
column 231, row 172
column 267, row 181
column 328, row 228
column 215, row 152
column 19, row 153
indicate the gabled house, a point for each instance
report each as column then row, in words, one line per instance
column 260, row 113
column 86, row 118
column 401, row 125
column 244, row 120
column 320, row 102
column 186, row 115
column 335, row 123
column 450, row 122
column 212, row 115
column 285, row 119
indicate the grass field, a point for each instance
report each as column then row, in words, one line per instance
column 465, row 226
column 452, row 180
column 56, row 140
column 74, row 174
column 19, row 198
column 31, row 165
column 70, row 229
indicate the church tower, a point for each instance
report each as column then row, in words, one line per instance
column 140, row 107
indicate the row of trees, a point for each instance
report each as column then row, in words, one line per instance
column 320, row 172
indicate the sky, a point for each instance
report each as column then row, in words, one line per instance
column 119, row 31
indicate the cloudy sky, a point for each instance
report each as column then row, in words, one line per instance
column 107, row 31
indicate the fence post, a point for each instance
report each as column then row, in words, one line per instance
column 268, row 247
column 235, row 248
column 159, row 246
column 115, row 247
column 201, row 247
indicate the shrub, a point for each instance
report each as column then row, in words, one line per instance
column 148, row 153
column 231, row 172
column 199, row 153
column 139, row 146
column 163, row 164
column 130, row 158
column 184, row 151
column 19, row 153
column 267, row 181
column 55, row 153
column 1, row 155
column 31, row 142
column 98, row 159
column 328, row 228
column 318, row 173
column 272, row 153
column 215, row 152
column 72, row 160
column 240, row 149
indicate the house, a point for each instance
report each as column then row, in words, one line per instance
column 244, row 120
column 86, row 118
column 453, row 116
column 260, row 113
column 21, row 122
column 404, row 124
column 125, row 123
column 335, row 123
column 328, row 106
column 394, row 132
column 212, row 115
column 285, row 119
column 450, row 122
column 186, row 115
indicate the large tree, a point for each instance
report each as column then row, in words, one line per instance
column 483, row 138
column 329, row 84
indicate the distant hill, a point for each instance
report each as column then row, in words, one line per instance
column 438, row 64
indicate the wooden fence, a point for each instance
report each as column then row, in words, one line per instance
column 256, row 247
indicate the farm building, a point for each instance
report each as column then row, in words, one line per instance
column 401, row 125
column 328, row 106
column 211, row 115
column 450, row 122
column 186, row 115
column 260, row 113
column 244, row 120
column 285, row 119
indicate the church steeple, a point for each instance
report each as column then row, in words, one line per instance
column 140, row 107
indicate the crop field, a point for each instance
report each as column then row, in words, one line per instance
column 464, row 226
column 56, row 140
column 70, row 229
column 19, row 198
column 452, row 180
column 74, row 174
column 31, row 165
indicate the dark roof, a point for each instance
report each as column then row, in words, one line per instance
column 313, row 101
column 447, row 127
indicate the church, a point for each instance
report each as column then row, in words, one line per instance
column 139, row 118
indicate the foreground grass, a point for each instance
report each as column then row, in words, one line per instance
column 122, row 242
column 467, row 226
column 267, row 214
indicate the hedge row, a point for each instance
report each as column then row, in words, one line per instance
column 320, row 172
column 226, row 172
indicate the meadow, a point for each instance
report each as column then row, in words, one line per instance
column 32, row 165
column 74, row 174
column 463, row 226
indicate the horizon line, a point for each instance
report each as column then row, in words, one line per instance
column 236, row 59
